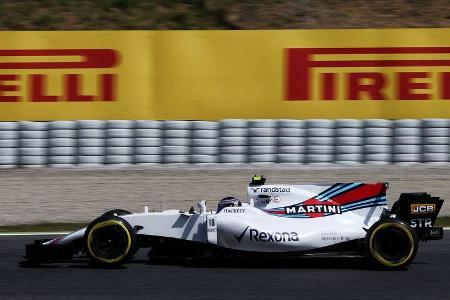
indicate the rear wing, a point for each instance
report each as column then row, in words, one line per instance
column 420, row 210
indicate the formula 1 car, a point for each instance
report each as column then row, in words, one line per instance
column 278, row 220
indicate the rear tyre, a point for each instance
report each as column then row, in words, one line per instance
column 109, row 241
column 391, row 244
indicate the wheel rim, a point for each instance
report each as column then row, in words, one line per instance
column 109, row 241
column 392, row 244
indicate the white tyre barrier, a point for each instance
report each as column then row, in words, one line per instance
column 148, row 151
column 175, row 150
column 319, row 158
column 62, row 125
column 179, row 133
column 91, row 151
column 436, row 132
column 62, row 151
column 349, row 140
column 320, row 123
column 177, row 125
column 205, row 125
column 291, row 149
column 95, row 142
column 91, row 133
column 62, row 160
column 33, row 134
column 373, row 149
column 9, row 151
column 119, row 151
column 119, row 142
column 89, row 160
column 204, row 159
column 119, row 124
column 263, row 123
column 349, row 149
column 9, row 126
column 382, row 157
column 320, row 141
column 118, row 159
column 33, row 143
column 252, row 150
column 147, row 159
column 437, row 148
column 378, row 140
column 439, row 123
column 348, row 157
column 33, row 126
column 233, row 123
column 378, row 132
column 407, row 123
column 318, row 149
column 377, row 123
column 148, row 142
column 204, row 150
column 176, row 159
column 205, row 134
column 9, row 143
column 349, row 132
column 33, row 151
column 407, row 149
column 291, row 132
column 320, row 132
column 407, row 140
column 63, row 133
column 9, row 134
column 436, row 140
column 233, row 158
column 409, row 158
column 291, row 141
column 91, row 124
column 233, row 132
column 262, row 158
column 233, row 150
column 207, row 142
column 288, row 123
column 177, row 142
column 262, row 132
column 262, row 141
column 349, row 123
column 8, row 161
column 119, row 132
column 407, row 131
column 147, row 124
column 148, row 133
column 38, row 161
column 436, row 157
column 290, row 158
column 233, row 141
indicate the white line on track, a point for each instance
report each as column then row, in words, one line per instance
column 62, row 233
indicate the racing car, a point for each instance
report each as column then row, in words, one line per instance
column 278, row 220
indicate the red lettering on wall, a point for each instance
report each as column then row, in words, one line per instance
column 329, row 86
column 37, row 89
column 373, row 89
column 407, row 86
column 107, row 84
column 74, row 87
column 8, row 88
column 445, row 79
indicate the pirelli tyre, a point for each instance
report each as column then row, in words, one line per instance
column 391, row 244
column 109, row 241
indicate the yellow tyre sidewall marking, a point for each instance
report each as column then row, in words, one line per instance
column 104, row 224
column 375, row 253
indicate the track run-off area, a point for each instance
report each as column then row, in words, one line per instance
column 331, row 278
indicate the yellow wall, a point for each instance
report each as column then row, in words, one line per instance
column 235, row 74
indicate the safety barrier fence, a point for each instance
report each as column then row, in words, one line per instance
column 238, row 141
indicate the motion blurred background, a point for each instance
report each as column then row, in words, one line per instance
column 125, row 103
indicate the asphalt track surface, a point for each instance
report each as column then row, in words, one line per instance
column 427, row 278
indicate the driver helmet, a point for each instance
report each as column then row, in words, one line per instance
column 228, row 202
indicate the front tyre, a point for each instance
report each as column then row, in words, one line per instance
column 391, row 244
column 109, row 241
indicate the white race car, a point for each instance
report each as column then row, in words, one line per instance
column 277, row 220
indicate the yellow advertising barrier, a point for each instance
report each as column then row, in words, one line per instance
column 367, row 73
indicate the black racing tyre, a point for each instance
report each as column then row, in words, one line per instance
column 109, row 241
column 115, row 212
column 391, row 244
